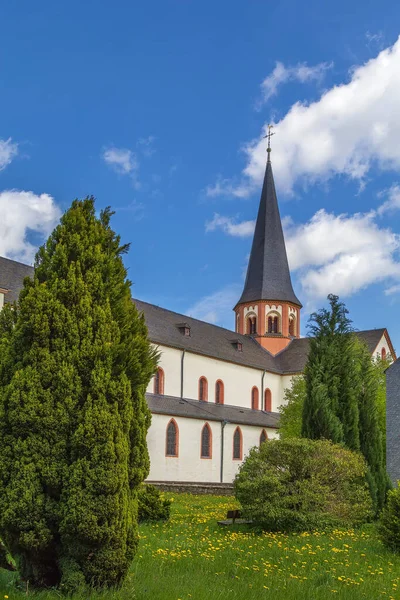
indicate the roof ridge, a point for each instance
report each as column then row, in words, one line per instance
column 17, row 262
column 230, row 331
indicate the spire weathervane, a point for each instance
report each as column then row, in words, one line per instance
column 268, row 137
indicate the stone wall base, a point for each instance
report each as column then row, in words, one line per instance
column 189, row 487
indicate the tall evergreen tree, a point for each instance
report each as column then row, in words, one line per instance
column 371, row 435
column 342, row 392
column 330, row 409
column 73, row 414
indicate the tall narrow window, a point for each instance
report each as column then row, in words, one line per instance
column 263, row 437
column 237, row 444
column 251, row 325
column 383, row 354
column 219, row 392
column 159, row 381
column 273, row 323
column 268, row 400
column 203, row 389
column 269, row 329
column 206, row 442
column 172, row 441
column 254, row 398
column 292, row 326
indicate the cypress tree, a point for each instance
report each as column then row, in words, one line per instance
column 330, row 409
column 371, row 435
column 73, row 414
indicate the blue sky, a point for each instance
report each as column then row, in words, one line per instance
column 158, row 109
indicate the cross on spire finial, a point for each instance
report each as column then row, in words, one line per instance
column 268, row 137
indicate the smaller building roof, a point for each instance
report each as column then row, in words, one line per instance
column 12, row 275
column 293, row 358
column 208, row 411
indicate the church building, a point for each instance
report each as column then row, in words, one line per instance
column 217, row 392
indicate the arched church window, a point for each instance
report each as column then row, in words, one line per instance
column 268, row 400
column 219, row 392
column 383, row 354
column 237, row 444
column 251, row 325
column 203, row 389
column 254, row 398
column 263, row 437
column 159, row 381
column 273, row 323
column 206, row 442
column 292, row 326
column 172, row 441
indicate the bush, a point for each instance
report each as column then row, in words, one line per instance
column 152, row 506
column 389, row 526
column 300, row 484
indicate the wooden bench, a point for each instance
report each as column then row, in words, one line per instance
column 234, row 516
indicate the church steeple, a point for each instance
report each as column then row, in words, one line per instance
column 268, row 293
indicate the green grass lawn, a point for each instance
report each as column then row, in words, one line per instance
column 191, row 557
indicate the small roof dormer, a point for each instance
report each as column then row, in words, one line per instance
column 184, row 329
column 237, row 344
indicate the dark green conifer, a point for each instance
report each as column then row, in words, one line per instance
column 73, row 414
column 371, row 435
column 325, row 413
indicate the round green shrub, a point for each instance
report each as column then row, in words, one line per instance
column 389, row 525
column 301, row 484
column 152, row 506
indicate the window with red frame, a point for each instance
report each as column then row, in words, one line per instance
column 206, row 441
column 203, row 389
column 219, row 392
column 237, row 444
column 172, row 439
column 268, row 400
column 159, row 381
column 254, row 398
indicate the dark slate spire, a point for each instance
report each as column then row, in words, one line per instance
column 268, row 275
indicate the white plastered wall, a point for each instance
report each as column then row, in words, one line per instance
column 189, row 466
column 170, row 362
column 383, row 343
column 1, row 300
column 238, row 380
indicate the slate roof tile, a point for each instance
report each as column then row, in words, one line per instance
column 12, row 275
column 208, row 411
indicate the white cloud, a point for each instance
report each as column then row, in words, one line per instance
column 21, row 214
column 123, row 161
column 342, row 254
column 393, row 199
column 394, row 289
column 215, row 307
column 351, row 127
column 281, row 74
column 147, row 145
column 8, row 151
column 229, row 226
column 225, row 187
column 338, row 254
column 374, row 38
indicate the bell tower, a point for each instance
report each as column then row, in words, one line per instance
column 268, row 308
